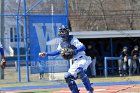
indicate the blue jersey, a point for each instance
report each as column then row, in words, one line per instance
column 76, row 43
column 1, row 50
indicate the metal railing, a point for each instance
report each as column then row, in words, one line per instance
column 111, row 58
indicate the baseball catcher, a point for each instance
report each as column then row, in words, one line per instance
column 71, row 48
column 2, row 58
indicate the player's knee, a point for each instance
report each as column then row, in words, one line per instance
column 68, row 77
column 80, row 72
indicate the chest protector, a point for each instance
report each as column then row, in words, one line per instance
column 67, row 44
column 67, row 51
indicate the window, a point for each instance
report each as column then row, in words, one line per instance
column 13, row 34
column 22, row 34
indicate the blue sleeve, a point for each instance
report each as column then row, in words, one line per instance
column 1, row 51
column 82, row 48
column 53, row 53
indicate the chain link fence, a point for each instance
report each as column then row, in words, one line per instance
column 15, row 36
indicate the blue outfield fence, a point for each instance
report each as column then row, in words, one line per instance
column 44, row 35
column 49, row 66
column 43, row 31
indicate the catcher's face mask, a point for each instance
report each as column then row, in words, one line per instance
column 63, row 32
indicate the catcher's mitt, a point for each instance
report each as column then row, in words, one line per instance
column 3, row 63
column 125, row 59
column 67, row 53
column 134, row 57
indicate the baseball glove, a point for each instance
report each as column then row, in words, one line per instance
column 3, row 63
column 67, row 53
column 125, row 59
column 134, row 57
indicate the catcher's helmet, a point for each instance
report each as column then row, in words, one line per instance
column 125, row 47
column 63, row 32
column 136, row 46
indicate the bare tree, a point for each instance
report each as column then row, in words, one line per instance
column 103, row 13
column 91, row 14
column 131, row 18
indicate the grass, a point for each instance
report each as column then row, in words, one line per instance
column 39, row 91
column 11, row 79
column 117, row 79
column 112, row 79
column 93, row 80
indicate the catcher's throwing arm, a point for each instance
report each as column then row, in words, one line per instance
column 66, row 53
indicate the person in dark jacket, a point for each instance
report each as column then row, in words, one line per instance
column 92, row 52
column 134, row 60
column 123, row 62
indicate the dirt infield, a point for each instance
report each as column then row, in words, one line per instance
column 133, row 88
column 109, row 89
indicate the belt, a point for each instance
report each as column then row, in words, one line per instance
column 77, row 58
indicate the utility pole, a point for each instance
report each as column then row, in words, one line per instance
column 2, row 21
column 1, row 32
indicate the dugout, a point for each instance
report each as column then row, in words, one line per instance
column 109, row 44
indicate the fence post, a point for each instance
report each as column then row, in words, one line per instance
column 105, row 67
column 1, row 73
column 16, row 66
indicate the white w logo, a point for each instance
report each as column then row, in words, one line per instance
column 45, row 32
